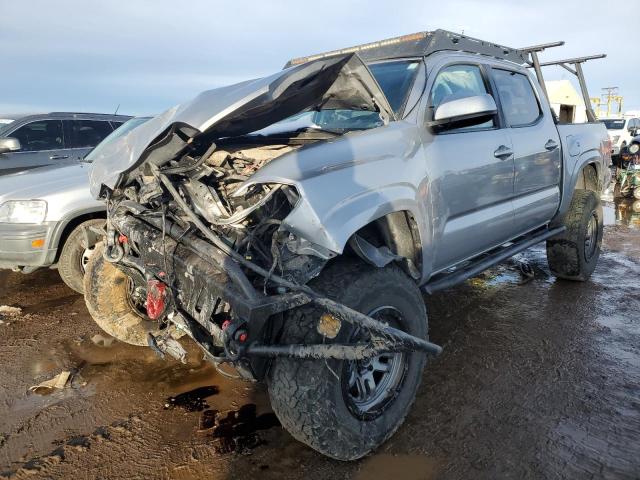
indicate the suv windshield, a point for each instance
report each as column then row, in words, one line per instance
column 614, row 123
column 395, row 79
column 117, row 133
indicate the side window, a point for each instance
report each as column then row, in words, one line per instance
column 40, row 135
column 87, row 133
column 519, row 102
column 459, row 81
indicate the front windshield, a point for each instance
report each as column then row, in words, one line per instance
column 5, row 123
column 117, row 133
column 395, row 79
column 613, row 123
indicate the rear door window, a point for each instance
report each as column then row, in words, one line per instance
column 519, row 102
column 87, row 133
column 40, row 135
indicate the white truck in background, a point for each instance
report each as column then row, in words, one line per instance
column 621, row 131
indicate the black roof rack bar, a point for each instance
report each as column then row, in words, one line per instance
column 574, row 60
column 577, row 65
column 542, row 47
column 422, row 44
column 535, row 62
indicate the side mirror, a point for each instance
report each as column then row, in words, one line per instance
column 464, row 112
column 9, row 145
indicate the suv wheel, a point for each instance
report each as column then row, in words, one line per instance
column 368, row 399
column 75, row 256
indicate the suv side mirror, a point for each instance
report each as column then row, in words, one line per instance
column 464, row 112
column 9, row 144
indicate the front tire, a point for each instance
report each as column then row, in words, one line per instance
column 347, row 409
column 573, row 255
column 75, row 256
column 108, row 298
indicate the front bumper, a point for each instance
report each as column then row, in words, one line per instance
column 16, row 250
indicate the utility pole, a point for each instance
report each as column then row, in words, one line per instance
column 611, row 96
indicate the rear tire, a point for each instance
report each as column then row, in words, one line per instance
column 74, row 256
column 106, row 293
column 573, row 255
column 636, row 193
column 327, row 404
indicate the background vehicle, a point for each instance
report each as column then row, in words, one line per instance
column 298, row 256
column 45, row 215
column 621, row 131
column 628, row 171
column 52, row 138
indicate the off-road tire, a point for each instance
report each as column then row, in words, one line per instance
column 70, row 262
column 307, row 396
column 106, row 293
column 636, row 193
column 567, row 255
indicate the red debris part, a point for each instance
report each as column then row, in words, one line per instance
column 156, row 294
column 122, row 238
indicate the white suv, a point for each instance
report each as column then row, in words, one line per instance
column 621, row 131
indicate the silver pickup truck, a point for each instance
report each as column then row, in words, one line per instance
column 290, row 224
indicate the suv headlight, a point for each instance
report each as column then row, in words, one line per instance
column 23, row 211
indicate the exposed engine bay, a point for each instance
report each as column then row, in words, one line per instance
column 247, row 221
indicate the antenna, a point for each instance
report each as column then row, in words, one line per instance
column 117, row 108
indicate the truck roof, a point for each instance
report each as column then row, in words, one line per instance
column 422, row 44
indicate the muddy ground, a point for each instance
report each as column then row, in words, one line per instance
column 539, row 379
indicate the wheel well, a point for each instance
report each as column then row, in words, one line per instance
column 588, row 180
column 72, row 224
column 399, row 232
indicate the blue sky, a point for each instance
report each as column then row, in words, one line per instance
column 146, row 56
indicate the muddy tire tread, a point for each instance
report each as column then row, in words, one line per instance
column 565, row 252
column 298, row 388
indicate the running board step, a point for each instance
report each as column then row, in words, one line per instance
column 447, row 280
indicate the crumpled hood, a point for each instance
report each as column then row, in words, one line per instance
column 332, row 83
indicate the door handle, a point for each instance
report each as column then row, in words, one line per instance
column 550, row 145
column 503, row 152
column 58, row 157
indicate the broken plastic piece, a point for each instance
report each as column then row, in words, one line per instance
column 7, row 311
column 58, row 382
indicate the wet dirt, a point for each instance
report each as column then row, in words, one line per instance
column 540, row 378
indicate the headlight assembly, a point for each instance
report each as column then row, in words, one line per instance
column 23, row 211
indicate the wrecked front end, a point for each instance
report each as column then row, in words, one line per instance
column 209, row 252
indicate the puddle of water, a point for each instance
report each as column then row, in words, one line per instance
column 194, row 400
column 237, row 430
column 624, row 211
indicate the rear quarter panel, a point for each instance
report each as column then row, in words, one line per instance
column 582, row 145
